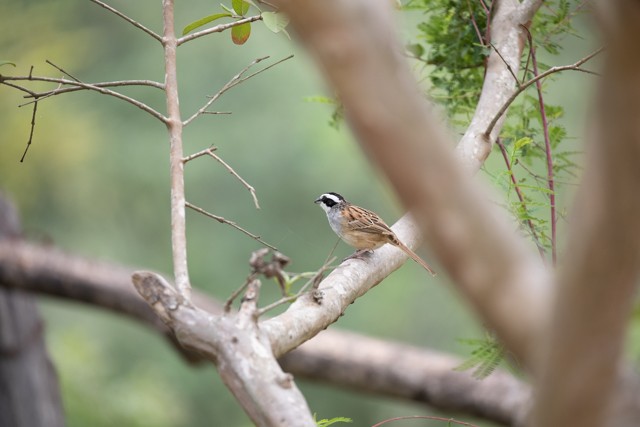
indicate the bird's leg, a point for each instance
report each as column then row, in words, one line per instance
column 359, row 254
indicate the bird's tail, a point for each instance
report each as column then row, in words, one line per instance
column 415, row 257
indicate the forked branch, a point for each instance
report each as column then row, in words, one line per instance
column 235, row 80
column 521, row 87
column 76, row 85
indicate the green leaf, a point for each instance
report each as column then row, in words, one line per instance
column 240, row 6
column 320, row 99
column 240, row 33
column 523, row 142
column 327, row 422
column 275, row 22
column 230, row 11
column 415, row 49
column 203, row 21
column 6, row 63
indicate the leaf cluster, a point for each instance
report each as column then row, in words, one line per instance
column 451, row 40
column 453, row 43
column 240, row 33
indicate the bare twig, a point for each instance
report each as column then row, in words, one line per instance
column 234, row 173
column 199, row 154
column 547, row 150
column 475, row 24
column 209, row 151
column 83, row 86
column 516, row 187
column 217, row 29
column 61, row 90
column 231, row 223
column 61, row 70
column 313, row 280
column 522, row 86
column 176, row 166
column 234, row 294
column 513, row 74
column 236, row 80
column 33, row 127
column 129, row 20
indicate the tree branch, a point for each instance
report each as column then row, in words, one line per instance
column 129, row 20
column 174, row 127
column 217, row 29
column 99, row 87
column 494, row 268
column 340, row 358
column 521, row 198
column 235, row 80
column 548, row 153
column 521, row 88
column 210, row 152
column 503, row 63
column 242, row 355
column 231, row 223
column 598, row 282
column 59, row 91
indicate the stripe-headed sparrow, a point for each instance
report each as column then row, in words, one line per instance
column 361, row 228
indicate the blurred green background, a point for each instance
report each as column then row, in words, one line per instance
column 95, row 182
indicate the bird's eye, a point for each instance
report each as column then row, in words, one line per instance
column 328, row 201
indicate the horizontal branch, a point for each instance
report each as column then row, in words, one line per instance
column 60, row 91
column 217, row 29
column 338, row 358
column 87, row 86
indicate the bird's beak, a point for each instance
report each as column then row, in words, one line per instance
column 318, row 200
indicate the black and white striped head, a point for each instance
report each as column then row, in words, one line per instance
column 329, row 200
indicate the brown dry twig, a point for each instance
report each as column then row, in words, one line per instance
column 522, row 86
column 129, row 20
column 98, row 87
column 210, row 152
column 235, row 80
column 231, row 223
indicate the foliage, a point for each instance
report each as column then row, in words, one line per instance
column 486, row 356
column 453, row 43
column 240, row 33
column 328, row 422
column 449, row 41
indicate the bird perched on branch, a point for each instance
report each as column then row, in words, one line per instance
column 361, row 228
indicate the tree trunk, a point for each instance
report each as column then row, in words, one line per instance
column 29, row 392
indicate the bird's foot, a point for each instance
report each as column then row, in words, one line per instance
column 359, row 254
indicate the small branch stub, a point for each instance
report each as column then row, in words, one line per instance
column 158, row 293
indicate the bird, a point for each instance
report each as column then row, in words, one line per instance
column 361, row 228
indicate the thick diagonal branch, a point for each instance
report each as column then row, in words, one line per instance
column 599, row 279
column 503, row 278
